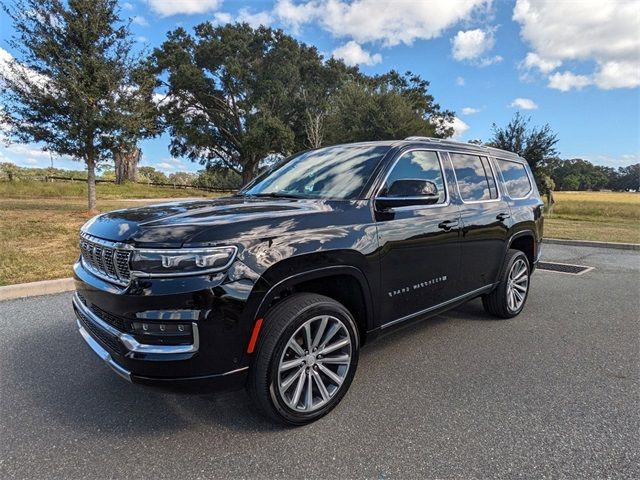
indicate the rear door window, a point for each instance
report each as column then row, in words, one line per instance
column 515, row 176
column 476, row 181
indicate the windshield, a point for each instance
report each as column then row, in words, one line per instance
column 338, row 172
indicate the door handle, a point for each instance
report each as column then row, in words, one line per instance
column 448, row 225
column 502, row 216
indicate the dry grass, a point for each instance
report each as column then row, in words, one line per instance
column 39, row 236
column 78, row 189
column 602, row 216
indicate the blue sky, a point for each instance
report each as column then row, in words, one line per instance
column 572, row 64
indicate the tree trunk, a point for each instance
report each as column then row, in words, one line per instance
column 126, row 163
column 91, row 184
column 248, row 172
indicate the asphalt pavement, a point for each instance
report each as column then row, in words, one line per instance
column 552, row 393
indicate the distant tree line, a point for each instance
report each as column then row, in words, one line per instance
column 538, row 146
column 223, row 179
column 579, row 174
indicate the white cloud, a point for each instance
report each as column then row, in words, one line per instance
column 589, row 30
column 254, row 19
column 140, row 20
column 127, row 6
column 353, row 54
column 403, row 21
column 524, row 103
column 470, row 110
column 223, row 18
column 460, row 81
column 533, row 60
column 486, row 61
column 459, row 128
column 166, row 8
column 565, row 81
column 471, row 44
column 165, row 166
column 142, row 39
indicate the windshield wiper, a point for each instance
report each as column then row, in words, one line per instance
column 277, row 195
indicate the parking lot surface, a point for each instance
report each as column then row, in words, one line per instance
column 552, row 393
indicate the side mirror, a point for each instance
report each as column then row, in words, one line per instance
column 408, row 192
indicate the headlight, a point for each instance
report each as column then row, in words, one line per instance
column 181, row 262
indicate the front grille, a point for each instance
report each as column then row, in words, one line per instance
column 115, row 322
column 105, row 260
column 107, row 340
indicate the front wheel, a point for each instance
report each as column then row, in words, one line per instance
column 306, row 358
column 508, row 298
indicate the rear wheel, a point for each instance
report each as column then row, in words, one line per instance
column 306, row 358
column 508, row 299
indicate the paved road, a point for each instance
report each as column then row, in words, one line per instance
column 553, row 393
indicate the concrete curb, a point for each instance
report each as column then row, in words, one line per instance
column 45, row 287
column 592, row 243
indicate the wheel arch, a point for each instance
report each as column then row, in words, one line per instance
column 344, row 283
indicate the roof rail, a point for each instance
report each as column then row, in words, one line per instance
column 499, row 151
column 424, row 139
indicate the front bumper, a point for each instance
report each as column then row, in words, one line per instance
column 215, row 355
column 87, row 321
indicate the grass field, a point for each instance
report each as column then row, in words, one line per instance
column 39, row 227
column 602, row 216
column 37, row 189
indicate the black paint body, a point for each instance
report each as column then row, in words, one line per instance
column 395, row 265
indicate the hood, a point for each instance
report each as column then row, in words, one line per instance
column 208, row 222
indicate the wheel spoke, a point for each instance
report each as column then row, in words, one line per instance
column 519, row 287
column 289, row 381
column 320, row 332
column 511, row 303
column 295, row 347
column 321, row 386
column 308, row 403
column 296, row 395
column 330, row 334
column 334, row 346
column 307, row 335
column 334, row 378
column 289, row 364
column 518, row 297
column 340, row 359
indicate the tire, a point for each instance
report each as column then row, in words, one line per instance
column 501, row 302
column 275, row 386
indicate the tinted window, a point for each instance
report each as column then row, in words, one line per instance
column 515, row 177
column 333, row 172
column 418, row 165
column 475, row 178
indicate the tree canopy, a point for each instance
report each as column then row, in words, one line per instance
column 234, row 95
column 535, row 144
column 75, row 86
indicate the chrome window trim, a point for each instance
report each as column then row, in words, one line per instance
column 131, row 343
column 504, row 183
column 447, row 200
column 495, row 179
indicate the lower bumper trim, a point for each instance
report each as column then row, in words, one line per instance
column 102, row 353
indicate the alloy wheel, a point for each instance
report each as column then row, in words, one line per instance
column 517, row 285
column 314, row 363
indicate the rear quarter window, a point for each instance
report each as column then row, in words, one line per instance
column 516, row 179
column 475, row 178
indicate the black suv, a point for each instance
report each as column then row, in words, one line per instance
column 278, row 287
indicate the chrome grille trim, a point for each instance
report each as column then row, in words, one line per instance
column 105, row 259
